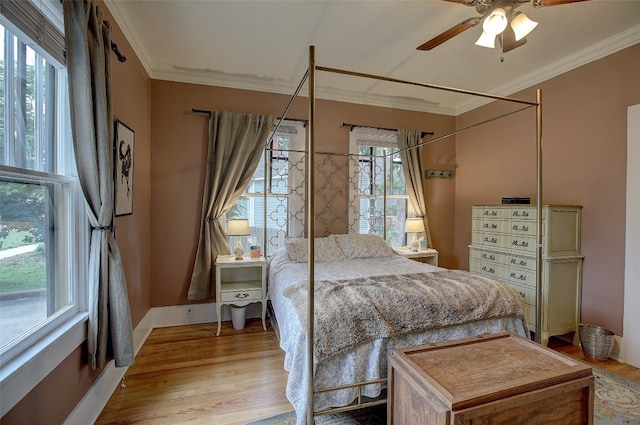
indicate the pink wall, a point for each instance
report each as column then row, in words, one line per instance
column 584, row 163
column 179, row 154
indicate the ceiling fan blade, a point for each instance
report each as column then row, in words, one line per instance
column 508, row 40
column 544, row 3
column 450, row 33
column 465, row 2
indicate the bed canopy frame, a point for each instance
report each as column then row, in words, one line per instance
column 310, row 77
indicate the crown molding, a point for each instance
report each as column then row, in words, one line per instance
column 271, row 85
column 118, row 13
column 597, row 51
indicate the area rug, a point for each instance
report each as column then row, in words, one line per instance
column 617, row 402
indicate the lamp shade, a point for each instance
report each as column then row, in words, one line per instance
column 414, row 225
column 496, row 22
column 238, row 227
column 522, row 25
column 486, row 40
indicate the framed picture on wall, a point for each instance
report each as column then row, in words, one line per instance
column 123, row 170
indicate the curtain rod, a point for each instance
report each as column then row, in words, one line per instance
column 352, row 126
column 114, row 48
column 209, row 112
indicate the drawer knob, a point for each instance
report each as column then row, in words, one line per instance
column 242, row 295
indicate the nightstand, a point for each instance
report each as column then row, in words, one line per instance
column 240, row 283
column 429, row 256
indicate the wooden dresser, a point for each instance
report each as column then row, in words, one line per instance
column 503, row 246
column 496, row 379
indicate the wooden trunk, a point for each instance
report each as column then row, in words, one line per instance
column 493, row 379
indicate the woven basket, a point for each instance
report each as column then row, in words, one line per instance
column 596, row 342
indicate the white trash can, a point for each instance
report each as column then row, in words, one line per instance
column 238, row 316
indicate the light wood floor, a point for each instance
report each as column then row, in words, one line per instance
column 187, row 375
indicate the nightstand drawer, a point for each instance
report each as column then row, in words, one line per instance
column 241, row 295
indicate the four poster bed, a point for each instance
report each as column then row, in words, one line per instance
column 366, row 301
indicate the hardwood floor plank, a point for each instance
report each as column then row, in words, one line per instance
column 185, row 375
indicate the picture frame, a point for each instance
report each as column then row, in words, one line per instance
column 124, row 144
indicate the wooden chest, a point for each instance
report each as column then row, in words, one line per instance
column 492, row 379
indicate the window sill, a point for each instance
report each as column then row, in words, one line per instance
column 23, row 373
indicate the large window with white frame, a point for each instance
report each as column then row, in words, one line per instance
column 378, row 199
column 43, row 225
column 274, row 199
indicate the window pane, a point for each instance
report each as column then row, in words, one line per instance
column 28, row 106
column 32, row 288
column 381, row 200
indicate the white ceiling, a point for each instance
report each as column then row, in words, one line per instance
column 264, row 45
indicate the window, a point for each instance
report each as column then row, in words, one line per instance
column 274, row 200
column 43, row 225
column 378, row 199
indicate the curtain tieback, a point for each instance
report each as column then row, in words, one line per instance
column 210, row 219
column 111, row 227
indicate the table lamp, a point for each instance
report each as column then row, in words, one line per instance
column 239, row 228
column 415, row 226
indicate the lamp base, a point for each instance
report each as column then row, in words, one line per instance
column 414, row 243
column 238, row 251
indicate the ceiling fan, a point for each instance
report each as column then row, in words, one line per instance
column 501, row 21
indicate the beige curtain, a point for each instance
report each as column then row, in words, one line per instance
column 410, row 155
column 236, row 142
column 88, row 66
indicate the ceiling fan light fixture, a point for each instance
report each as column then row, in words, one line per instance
column 486, row 40
column 496, row 22
column 522, row 25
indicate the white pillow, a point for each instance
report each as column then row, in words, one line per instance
column 364, row 246
column 325, row 249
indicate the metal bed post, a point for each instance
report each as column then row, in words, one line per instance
column 539, row 215
column 311, row 231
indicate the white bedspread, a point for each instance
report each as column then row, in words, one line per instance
column 366, row 361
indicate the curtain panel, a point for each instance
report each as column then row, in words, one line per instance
column 236, row 143
column 409, row 142
column 88, row 67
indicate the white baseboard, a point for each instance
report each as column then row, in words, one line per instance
column 91, row 405
column 196, row 313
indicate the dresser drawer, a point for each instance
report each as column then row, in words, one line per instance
column 527, row 263
column 495, row 226
column 495, row 212
column 241, row 295
column 522, row 277
column 527, row 294
column 523, row 227
column 484, row 255
column 523, row 243
column 491, row 240
column 496, row 271
column 523, row 213
column 526, row 297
